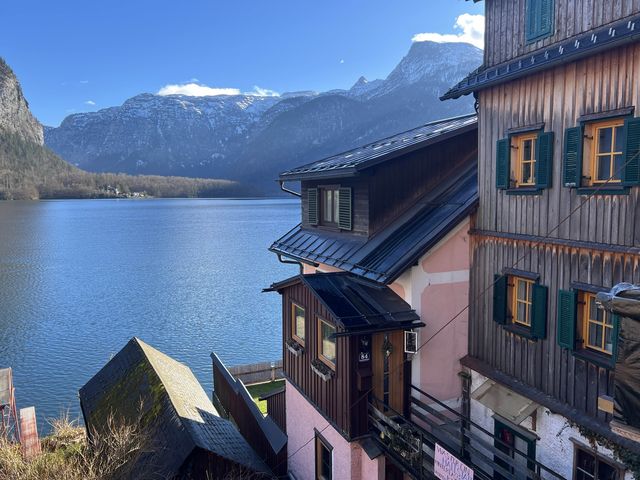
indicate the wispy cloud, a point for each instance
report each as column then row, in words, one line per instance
column 192, row 89
column 84, row 82
column 90, row 103
column 471, row 30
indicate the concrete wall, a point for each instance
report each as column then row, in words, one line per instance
column 556, row 436
column 349, row 460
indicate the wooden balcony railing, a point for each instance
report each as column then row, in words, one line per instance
column 410, row 443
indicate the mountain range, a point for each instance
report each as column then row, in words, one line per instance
column 251, row 138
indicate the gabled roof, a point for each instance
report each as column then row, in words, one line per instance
column 582, row 45
column 176, row 411
column 386, row 255
column 356, row 303
column 353, row 161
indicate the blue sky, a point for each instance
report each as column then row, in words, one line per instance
column 74, row 56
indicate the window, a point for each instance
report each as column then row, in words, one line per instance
column 524, row 167
column 298, row 324
column 525, row 161
column 521, row 300
column 324, row 460
column 604, row 145
column 539, row 19
column 602, row 153
column 508, row 441
column 590, row 466
column 330, row 212
column 520, row 303
column 597, row 329
column 586, row 329
column 327, row 343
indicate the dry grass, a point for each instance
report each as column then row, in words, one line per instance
column 66, row 453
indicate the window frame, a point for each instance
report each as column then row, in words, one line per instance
column 590, row 154
column 294, row 323
column 517, row 142
column 334, row 222
column 583, row 316
column 514, row 300
column 327, row 361
column 598, row 459
column 320, row 444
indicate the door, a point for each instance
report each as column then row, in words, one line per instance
column 388, row 356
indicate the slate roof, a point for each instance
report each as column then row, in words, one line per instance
column 386, row 255
column 356, row 303
column 603, row 38
column 353, row 161
column 176, row 410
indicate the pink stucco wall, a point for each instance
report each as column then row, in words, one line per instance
column 349, row 460
column 444, row 298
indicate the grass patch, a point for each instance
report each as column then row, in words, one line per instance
column 260, row 389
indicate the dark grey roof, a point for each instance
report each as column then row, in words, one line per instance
column 390, row 252
column 356, row 303
column 603, row 38
column 353, row 161
column 176, row 410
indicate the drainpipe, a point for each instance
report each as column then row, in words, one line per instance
column 465, row 426
column 288, row 190
column 290, row 262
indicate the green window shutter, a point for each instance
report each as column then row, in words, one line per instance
column 631, row 174
column 312, row 206
column 500, row 299
column 544, row 159
column 503, row 167
column 530, row 19
column 616, row 336
column 572, row 165
column 539, row 311
column 545, row 24
column 566, row 334
column 345, row 208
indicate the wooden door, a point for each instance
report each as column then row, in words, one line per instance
column 387, row 353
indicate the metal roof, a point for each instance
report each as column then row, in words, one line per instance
column 386, row 255
column 353, row 161
column 356, row 303
column 176, row 410
column 603, row 38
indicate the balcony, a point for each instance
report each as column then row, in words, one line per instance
column 410, row 443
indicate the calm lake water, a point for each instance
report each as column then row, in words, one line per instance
column 79, row 278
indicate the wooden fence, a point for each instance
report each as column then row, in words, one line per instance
column 262, row 433
column 258, row 372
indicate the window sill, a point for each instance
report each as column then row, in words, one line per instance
column 521, row 331
column 603, row 191
column 525, row 191
column 595, row 358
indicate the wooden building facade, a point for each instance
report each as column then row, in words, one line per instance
column 558, row 219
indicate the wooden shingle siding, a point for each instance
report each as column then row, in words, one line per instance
column 505, row 20
column 543, row 364
column 558, row 97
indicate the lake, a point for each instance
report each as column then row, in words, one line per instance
column 79, row 278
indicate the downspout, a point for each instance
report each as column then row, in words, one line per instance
column 290, row 262
column 285, row 189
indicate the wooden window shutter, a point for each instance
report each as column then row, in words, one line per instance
column 545, row 24
column 531, row 30
column 312, row 206
column 544, row 160
column 503, row 167
column 500, row 299
column 539, row 311
column 616, row 337
column 345, row 210
column 566, row 334
column 631, row 173
column 572, row 165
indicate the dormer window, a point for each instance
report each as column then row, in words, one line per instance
column 329, row 206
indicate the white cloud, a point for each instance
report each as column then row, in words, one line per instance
column 84, row 82
column 198, row 90
column 90, row 102
column 342, row 60
column 472, row 31
column 195, row 90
